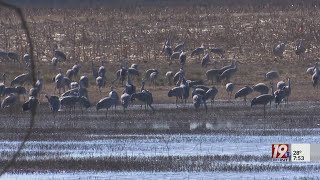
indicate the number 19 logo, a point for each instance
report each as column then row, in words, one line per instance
column 280, row 152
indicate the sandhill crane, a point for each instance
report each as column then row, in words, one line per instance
column 114, row 95
column 148, row 72
column 198, row 100
column 8, row 90
column 218, row 51
column 70, row 73
column 175, row 55
column 144, row 97
column 69, row 101
column 21, row 79
column 278, row 50
column 315, row 76
column 271, row 75
column 76, row 68
column 26, row 58
column 287, row 91
column 263, row 99
column 279, row 96
column 129, row 87
column 244, row 92
column 125, row 99
column 84, row 103
column 310, row 70
column 176, row 92
column 66, row 82
column 105, row 103
column 315, row 80
column 102, row 70
column 31, row 104
column 14, row 56
column 229, row 89
column 3, row 84
column 198, row 91
column 54, row 103
column 198, row 51
column 211, row 94
column 134, row 66
column 59, row 55
column 213, row 74
column 94, row 70
column 313, row 69
column 261, row 88
column 142, row 87
column 205, row 60
column 300, row 48
column 194, row 82
column 227, row 74
column 78, row 91
column 145, row 90
column 232, row 65
column 100, row 82
column 169, row 77
column 133, row 72
column 179, row 47
column 121, row 75
column 20, row 90
column 153, row 78
column 186, row 89
column 183, row 58
column 33, row 92
column 3, row 55
column 9, row 102
column 281, row 84
column 166, row 43
column 205, row 88
column 59, row 81
column 168, row 51
column 84, row 81
column 54, row 61
column 177, row 75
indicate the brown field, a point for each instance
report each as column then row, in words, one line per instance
column 136, row 35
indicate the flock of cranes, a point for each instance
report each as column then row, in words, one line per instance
column 71, row 92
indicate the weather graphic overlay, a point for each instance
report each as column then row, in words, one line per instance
column 296, row 152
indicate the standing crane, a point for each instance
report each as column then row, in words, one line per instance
column 244, row 92
column 263, row 99
column 54, row 103
column 198, row 51
column 278, row 49
column 229, row 89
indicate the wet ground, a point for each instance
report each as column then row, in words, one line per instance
column 231, row 140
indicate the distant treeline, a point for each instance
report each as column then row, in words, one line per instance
column 100, row 3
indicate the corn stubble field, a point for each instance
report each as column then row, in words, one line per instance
column 181, row 142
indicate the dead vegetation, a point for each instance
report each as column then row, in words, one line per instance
column 137, row 34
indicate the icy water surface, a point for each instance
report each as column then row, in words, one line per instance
column 155, row 145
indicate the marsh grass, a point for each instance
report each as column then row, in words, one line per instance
column 222, row 163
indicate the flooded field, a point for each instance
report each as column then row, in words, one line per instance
column 146, row 145
column 164, row 175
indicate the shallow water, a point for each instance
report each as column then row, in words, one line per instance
column 154, row 145
column 162, row 175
